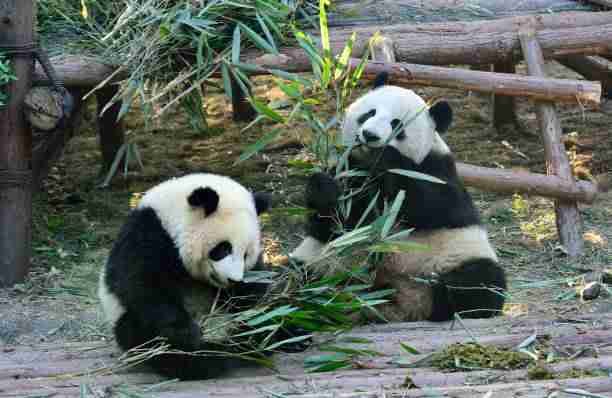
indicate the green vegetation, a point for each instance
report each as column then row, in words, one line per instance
column 6, row 76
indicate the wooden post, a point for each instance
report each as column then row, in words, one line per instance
column 16, row 29
column 557, row 163
column 110, row 131
column 504, row 109
column 242, row 111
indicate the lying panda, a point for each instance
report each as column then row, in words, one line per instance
column 391, row 128
column 187, row 237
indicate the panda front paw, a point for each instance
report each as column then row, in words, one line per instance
column 186, row 337
column 322, row 192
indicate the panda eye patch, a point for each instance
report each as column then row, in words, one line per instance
column 361, row 119
column 220, row 251
column 396, row 125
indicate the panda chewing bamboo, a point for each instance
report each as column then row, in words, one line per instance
column 187, row 237
column 391, row 128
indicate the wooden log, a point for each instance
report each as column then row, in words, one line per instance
column 76, row 71
column 504, row 109
column 537, row 88
column 474, row 42
column 111, row 132
column 382, row 49
column 605, row 3
column 508, row 181
column 51, row 144
column 557, row 163
column 566, row 90
column 592, row 68
column 17, row 21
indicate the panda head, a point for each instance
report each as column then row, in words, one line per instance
column 213, row 221
column 395, row 116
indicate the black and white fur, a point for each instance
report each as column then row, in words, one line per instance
column 393, row 129
column 187, row 237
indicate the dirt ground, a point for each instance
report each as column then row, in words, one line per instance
column 75, row 222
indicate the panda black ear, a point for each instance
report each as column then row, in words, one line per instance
column 262, row 201
column 442, row 114
column 206, row 198
column 381, row 79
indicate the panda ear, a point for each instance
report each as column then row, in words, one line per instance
column 206, row 198
column 262, row 201
column 442, row 115
column 381, row 79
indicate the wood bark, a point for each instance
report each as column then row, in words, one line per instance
column 16, row 29
column 592, row 68
column 566, row 90
column 473, row 42
column 77, row 71
column 50, row 145
column 508, row 181
column 111, row 132
column 557, row 163
column 538, row 88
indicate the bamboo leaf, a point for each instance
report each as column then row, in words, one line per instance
column 409, row 349
column 416, row 175
column 258, row 40
column 280, row 311
column 258, row 146
column 393, row 212
column 236, row 45
column 265, row 110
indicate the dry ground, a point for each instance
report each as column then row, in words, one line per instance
column 76, row 222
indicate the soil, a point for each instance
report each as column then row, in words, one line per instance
column 75, row 221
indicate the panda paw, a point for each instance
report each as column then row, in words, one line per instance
column 322, row 192
column 184, row 337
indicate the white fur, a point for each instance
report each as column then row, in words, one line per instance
column 195, row 234
column 111, row 306
column 308, row 250
column 393, row 102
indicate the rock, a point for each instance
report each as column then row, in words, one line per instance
column 606, row 276
column 590, row 291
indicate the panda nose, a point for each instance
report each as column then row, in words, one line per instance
column 369, row 136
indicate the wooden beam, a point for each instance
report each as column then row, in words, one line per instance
column 111, row 132
column 508, row 181
column 76, row 71
column 557, row 163
column 538, row 88
column 16, row 29
column 473, row 42
column 592, row 68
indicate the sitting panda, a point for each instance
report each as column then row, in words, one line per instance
column 187, row 237
column 392, row 128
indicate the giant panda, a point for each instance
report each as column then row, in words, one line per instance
column 391, row 127
column 186, row 238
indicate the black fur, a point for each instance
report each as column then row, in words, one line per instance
column 262, row 201
column 206, row 198
column 473, row 290
column 381, row 79
column 146, row 274
column 442, row 114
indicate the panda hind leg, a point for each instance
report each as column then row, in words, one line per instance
column 130, row 333
column 473, row 290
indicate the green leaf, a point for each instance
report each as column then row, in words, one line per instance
column 264, row 27
column 258, row 146
column 236, row 45
column 280, row 311
column 395, row 208
column 343, row 60
column 409, row 349
column 258, row 40
column 291, row 340
column 265, row 110
column 416, row 175
column 227, row 81
column 330, row 367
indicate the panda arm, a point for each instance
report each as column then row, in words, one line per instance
column 428, row 204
